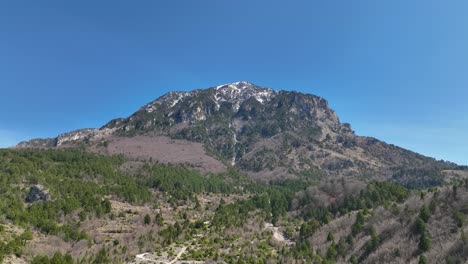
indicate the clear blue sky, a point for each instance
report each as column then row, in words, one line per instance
column 396, row 70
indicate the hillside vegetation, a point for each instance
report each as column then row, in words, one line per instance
column 100, row 211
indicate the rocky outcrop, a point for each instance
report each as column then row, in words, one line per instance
column 37, row 193
column 38, row 143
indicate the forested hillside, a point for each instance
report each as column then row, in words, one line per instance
column 107, row 209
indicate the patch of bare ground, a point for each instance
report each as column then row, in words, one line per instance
column 9, row 232
column 162, row 149
column 277, row 235
column 164, row 258
column 13, row 260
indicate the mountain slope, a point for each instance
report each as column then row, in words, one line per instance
column 266, row 133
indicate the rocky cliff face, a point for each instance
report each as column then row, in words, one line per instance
column 267, row 133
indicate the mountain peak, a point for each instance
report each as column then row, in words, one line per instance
column 236, row 85
column 237, row 92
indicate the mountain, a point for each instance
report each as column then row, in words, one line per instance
column 235, row 173
column 265, row 133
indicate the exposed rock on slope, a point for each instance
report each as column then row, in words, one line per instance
column 37, row 193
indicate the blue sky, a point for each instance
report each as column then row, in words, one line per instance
column 396, row 70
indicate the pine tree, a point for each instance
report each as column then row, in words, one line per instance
column 425, row 214
column 425, row 242
column 147, row 219
column 158, row 219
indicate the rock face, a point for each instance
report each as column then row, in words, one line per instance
column 259, row 130
column 37, row 193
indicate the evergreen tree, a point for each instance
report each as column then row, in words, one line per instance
column 425, row 214
column 147, row 219
column 424, row 242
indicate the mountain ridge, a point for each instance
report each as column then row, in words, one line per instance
column 269, row 134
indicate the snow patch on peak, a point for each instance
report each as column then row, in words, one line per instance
column 238, row 92
column 235, row 93
column 171, row 98
column 235, row 85
column 179, row 97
